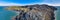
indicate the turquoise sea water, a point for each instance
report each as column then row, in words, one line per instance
column 7, row 15
column 58, row 13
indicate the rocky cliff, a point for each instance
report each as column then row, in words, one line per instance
column 35, row 12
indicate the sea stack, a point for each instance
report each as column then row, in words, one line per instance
column 36, row 12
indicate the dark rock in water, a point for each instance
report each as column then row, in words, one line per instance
column 37, row 12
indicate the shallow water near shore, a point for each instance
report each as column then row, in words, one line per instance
column 58, row 13
column 7, row 15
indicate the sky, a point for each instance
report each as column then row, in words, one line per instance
column 29, row 2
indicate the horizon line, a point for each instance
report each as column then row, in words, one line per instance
column 15, row 4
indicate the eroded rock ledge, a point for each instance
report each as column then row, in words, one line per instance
column 35, row 12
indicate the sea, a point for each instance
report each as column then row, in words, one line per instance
column 8, row 15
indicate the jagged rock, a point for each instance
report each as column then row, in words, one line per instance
column 37, row 12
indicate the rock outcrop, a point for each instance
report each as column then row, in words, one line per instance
column 36, row 12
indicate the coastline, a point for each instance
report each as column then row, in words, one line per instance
column 47, row 10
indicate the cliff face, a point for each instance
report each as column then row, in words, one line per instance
column 36, row 12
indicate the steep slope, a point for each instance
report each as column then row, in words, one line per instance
column 35, row 12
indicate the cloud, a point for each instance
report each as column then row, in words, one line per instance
column 13, row 4
column 51, row 4
column 9, row 4
column 56, row 4
column 16, row 4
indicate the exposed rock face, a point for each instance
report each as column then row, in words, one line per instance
column 37, row 12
